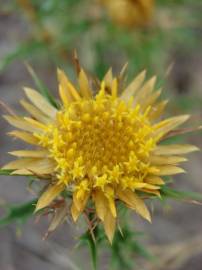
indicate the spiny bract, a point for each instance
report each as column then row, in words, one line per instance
column 102, row 148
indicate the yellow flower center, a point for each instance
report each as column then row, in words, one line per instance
column 100, row 141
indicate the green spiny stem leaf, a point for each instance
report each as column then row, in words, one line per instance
column 119, row 258
column 168, row 192
column 41, row 87
column 8, row 172
column 86, row 238
column 141, row 250
column 93, row 249
column 18, row 213
column 21, row 52
column 125, row 246
column 5, row 172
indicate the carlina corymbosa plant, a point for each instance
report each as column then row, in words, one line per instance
column 99, row 146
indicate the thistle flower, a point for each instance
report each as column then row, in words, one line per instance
column 101, row 148
column 129, row 12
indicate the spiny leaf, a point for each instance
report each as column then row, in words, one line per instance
column 5, row 172
column 23, row 50
column 18, row 213
column 192, row 197
column 93, row 249
column 87, row 238
column 141, row 250
column 41, row 87
column 125, row 246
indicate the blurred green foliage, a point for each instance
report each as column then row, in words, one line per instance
column 18, row 213
column 124, row 249
column 55, row 28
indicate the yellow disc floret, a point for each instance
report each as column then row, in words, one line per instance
column 100, row 140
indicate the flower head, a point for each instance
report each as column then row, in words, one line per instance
column 101, row 148
column 129, row 12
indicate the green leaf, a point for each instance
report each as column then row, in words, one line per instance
column 141, row 250
column 41, row 87
column 167, row 192
column 23, row 50
column 93, row 249
column 87, row 238
column 18, row 213
column 120, row 250
column 5, row 172
column 126, row 246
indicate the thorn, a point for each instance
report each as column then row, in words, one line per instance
column 76, row 62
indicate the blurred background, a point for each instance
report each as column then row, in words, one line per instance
column 161, row 36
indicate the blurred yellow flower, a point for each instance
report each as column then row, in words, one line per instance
column 101, row 148
column 130, row 12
